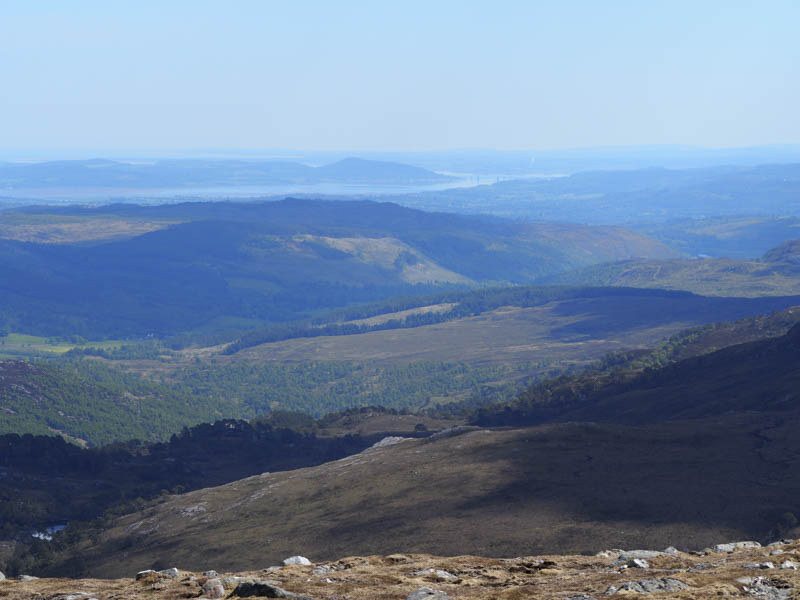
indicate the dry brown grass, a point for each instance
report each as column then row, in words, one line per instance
column 89, row 230
column 708, row 575
column 558, row 488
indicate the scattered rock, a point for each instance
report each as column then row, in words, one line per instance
column 638, row 563
column 210, row 573
column 426, row 593
column 580, row 597
column 263, row 589
column 398, row 558
column 764, row 565
column 789, row 565
column 671, row 550
column 776, row 552
column 213, row 588
column 452, row 432
column 389, row 441
column 761, row 588
column 2, row 576
column 27, row 578
column 437, row 573
column 171, row 573
column 322, row 570
column 297, row 560
column 143, row 574
column 628, row 555
column 733, row 546
column 649, row 586
column 231, row 581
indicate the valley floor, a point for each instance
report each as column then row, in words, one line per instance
column 719, row 572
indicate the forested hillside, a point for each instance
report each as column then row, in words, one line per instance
column 776, row 273
column 223, row 266
column 683, row 381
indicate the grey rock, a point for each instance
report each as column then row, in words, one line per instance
column 580, row 597
column 649, row 586
column 426, row 593
column 172, row 573
column 210, row 573
column 734, row 546
column 776, row 552
column 322, row 570
column 452, row 432
column 761, row 588
column 231, row 581
column 27, row 578
column 627, row 555
column 265, row 590
column 389, row 441
column 2, row 576
column 145, row 573
column 213, row 588
column 437, row 573
column 763, row 565
column 789, row 565
column 73, row 596
column 639, row 563
column 297, row 560
column 671, row 550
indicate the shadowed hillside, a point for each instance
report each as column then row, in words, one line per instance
column 715, row 421
column 777, row 273
column 556, row 488
column 227, row 265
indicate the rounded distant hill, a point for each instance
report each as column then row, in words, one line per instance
column 788, row 252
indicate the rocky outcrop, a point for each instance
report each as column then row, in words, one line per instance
column 263, row 589
column 731, row 570
column 297, row 560
column 649, row 586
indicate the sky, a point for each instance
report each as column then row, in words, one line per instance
column 116, row 76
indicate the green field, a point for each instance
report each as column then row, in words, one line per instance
column 21, row 345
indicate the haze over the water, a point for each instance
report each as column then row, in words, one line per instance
column 98, row 77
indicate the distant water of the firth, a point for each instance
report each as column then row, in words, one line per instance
column 246, row 191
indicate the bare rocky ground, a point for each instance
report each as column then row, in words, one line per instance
column 735, row 570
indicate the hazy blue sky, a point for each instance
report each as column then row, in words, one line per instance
column 397, row 75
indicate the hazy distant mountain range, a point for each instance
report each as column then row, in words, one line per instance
column 642, row 196
column 101, row 173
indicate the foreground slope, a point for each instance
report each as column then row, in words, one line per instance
column 716, row 572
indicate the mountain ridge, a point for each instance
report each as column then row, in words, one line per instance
column 104, row 173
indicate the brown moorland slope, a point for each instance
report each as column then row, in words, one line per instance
column 573, row 487
column 714, row 573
